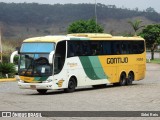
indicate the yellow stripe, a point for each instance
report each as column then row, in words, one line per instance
column 27, row 79
column 8, row 80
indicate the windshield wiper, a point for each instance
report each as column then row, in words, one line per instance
column 31, row 64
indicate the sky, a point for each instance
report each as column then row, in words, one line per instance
column 140, row 4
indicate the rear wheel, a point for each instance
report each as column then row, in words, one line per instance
column 122, row 81
column 42, row 91
column 71, row 86
column 130, row 78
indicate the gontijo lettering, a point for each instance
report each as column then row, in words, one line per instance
column 117, row 60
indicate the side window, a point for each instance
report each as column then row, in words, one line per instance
column 116, row 48
column 85, row 48
column 124, row 47
column 78, row 48
column 140, row 46
column 136, row 47
column 107, row 48
column 59, row 56
column 92, row 48
column 96, row 48
column 71, row 49
column 130, row 50
column 75, row 48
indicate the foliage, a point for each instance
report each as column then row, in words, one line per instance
column 151, row 34
column 156, row 60
column 24, row 13
column 22, row 20
column 16, row 58
column 8, row 46
column 6, row 58
column 7, row 68
column 135, row 25
column 150, row 9
column 85, row 26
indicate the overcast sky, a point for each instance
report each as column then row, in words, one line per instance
column 141, row 4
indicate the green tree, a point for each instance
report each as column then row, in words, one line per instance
column 150, row 9
column 85, row 26
column 151, row 34
column 7, row 68
column 136, row 25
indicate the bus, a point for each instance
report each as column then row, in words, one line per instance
column 84, row 59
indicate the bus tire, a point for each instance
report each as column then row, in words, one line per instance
column 130, row 78
column 122, row 79
column 71, row 85
column 41, row 91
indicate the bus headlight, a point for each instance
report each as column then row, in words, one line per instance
column 47, row 81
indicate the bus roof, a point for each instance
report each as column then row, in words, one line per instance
column 81, row 36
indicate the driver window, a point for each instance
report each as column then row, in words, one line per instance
column 59, row 56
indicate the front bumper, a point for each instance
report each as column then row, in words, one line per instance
column 48, row 86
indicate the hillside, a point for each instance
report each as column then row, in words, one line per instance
column 19, row 21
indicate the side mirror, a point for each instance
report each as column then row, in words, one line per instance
column 12, row 56
column 18, row 49
column 51, row 57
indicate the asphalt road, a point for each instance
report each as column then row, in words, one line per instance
column 143, row 95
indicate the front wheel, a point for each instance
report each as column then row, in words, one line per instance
column 71, row 86
column 42, row 91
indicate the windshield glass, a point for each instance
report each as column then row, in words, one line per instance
column 37, row 47
column 34, row 59
column 35, row 65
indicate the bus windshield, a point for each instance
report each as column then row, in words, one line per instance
column 37, row 47
column 35, row 65
column 34, row 59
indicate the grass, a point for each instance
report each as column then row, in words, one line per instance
column 156, row 60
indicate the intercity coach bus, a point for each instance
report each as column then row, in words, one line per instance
column 73, row 60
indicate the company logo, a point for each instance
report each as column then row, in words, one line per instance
column 21, row 114
column 6, row 114
column 72, row 64
column 117, row 60
column 60, row 83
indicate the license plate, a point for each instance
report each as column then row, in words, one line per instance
column 33, row 87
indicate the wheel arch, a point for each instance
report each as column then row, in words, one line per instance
column 132, row 72
column 75, row 78
column 122, row 72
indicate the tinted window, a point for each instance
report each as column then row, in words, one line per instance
column 59, row 57
column 92, row 48
column 96, row 48
column 107, row 48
